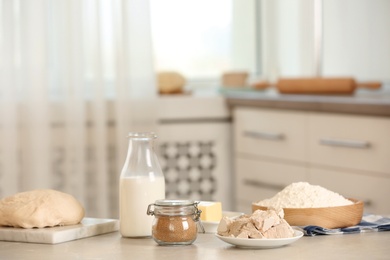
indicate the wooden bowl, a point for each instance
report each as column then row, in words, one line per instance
column 329, row 217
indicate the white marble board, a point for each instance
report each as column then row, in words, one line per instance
column 54, row 235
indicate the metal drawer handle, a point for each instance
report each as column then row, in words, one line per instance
column 264, row 135
column 260, row 184
column 345, row 143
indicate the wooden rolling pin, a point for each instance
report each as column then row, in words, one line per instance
column 322, row 85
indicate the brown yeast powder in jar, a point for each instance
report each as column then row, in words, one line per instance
column 174, row 221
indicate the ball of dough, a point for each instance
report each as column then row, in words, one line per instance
column 170, row 82
column 39, row 209
column 235, row 79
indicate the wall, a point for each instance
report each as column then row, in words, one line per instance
column 355, row 38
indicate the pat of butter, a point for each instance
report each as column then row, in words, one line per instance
column 211, row 210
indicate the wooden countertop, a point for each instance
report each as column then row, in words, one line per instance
column 362, row 102
column 372, row 245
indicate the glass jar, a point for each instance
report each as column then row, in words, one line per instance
column 175, row 221
column 141, row 183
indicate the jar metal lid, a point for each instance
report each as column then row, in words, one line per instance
column 174, row 203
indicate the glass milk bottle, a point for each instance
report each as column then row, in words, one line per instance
column 141, row 183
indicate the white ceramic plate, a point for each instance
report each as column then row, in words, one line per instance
column 211, row 226
column 261, row 243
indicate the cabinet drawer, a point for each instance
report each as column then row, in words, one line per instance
column 258, row 180
column 270, row 133
column 354, row 142
column 372, row 190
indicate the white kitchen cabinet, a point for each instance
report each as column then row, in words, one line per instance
column 270, row 133
column 348, row 154
column 195, row 160
column 194, row 148
column 351, row 142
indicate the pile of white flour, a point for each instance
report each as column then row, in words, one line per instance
column 304, row 195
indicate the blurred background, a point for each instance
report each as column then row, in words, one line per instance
column 77, row 75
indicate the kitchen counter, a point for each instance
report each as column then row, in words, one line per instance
column 372, row 245
column 362, row 102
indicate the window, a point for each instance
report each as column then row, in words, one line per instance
column 204, row 38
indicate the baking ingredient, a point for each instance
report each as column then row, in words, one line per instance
column 305, row 195
column 39, row 209
column 261, row 224
column 175, row 221
column 136, row 193
column 141, row 182
column 235, row 79
column 170, row 82
column 174, row 229
column 211, row 210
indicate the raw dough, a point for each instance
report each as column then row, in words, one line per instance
column 235, row 79
column 170, row 82
column 39, row 209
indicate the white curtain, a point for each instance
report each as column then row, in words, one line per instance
column 75, row 77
